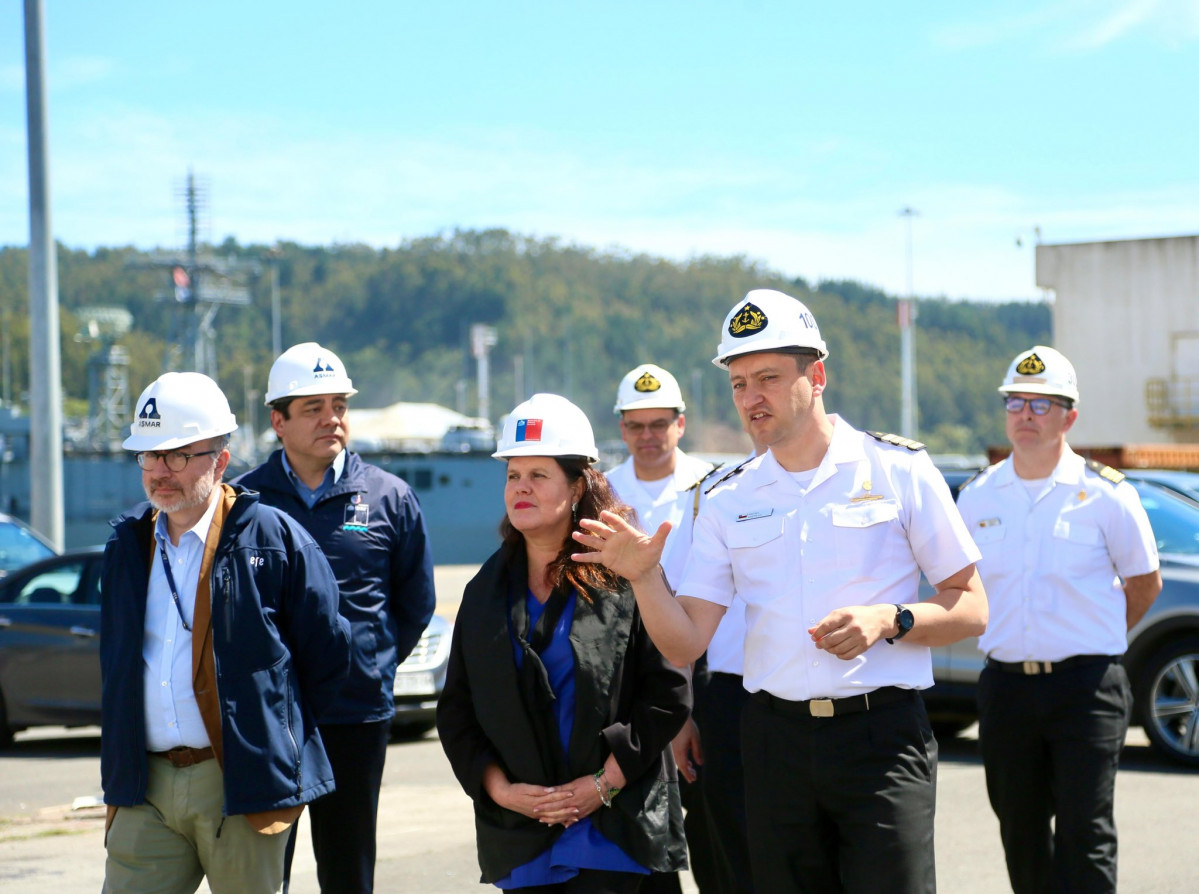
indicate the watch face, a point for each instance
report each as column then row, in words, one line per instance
column 904, row 621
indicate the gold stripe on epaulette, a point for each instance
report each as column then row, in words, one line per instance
column 896, row 440
column 1115, row 476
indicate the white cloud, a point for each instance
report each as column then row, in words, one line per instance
column 1077, row 25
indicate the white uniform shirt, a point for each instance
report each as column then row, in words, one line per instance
column 873, row 518
column 172, row 714
column 1050, row 563
column 676, row 503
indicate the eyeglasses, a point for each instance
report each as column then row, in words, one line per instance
column 1040, row 405
column 176, row 460
column 658, row 426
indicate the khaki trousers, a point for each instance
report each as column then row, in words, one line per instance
column 178, row 836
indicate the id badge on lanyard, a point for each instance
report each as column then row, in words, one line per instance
column 358, row 514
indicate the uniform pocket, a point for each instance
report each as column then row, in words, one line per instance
column 1079, row 547
column 866, row 535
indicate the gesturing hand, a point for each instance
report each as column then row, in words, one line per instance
column 620, row 547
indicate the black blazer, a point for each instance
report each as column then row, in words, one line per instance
column 629, row 701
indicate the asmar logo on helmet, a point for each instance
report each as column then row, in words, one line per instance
column 178, row 409
column 306, row 369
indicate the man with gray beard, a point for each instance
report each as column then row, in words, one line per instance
column 220, row 647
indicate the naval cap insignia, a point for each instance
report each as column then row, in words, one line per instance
column 747, row 321
column 1032, row 365
column 646, row 383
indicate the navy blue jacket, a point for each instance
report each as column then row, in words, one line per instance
column 281, row 655
column 384, row 570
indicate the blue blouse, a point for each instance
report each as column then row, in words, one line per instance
column 581, row 846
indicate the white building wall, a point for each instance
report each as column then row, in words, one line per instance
column 1116, row 307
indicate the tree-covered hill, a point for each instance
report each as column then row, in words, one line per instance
column 568, row 318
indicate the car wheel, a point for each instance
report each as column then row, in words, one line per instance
column 1168, row 694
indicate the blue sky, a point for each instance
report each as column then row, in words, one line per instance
column 788, row 132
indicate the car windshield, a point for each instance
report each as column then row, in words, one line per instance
column 1175, row 519
column 19, row 547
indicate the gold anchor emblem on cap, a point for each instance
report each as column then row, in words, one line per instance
column 747, row 320
column 1032, row 365
column 646, row 383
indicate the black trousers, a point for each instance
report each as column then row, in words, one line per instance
column 718, row 708
column 841, row 804
column 343, row 823
column 1051, row 745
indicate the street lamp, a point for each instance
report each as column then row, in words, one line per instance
column 907, row 346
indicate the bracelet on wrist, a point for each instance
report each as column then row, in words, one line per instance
column 606, row 792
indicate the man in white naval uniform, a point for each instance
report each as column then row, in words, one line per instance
column 657, row 473
column 1070, row 562
column 823, row 538
column 662, row 483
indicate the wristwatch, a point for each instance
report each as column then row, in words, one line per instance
column 903, row 621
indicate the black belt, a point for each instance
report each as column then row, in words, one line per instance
column 1033, row 668
column 182, row 756
column 833, row 707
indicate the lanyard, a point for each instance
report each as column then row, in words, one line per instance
column 166, row 566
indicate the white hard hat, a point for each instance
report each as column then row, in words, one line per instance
column 766, row 320
column 178, row 409
column 648, row 387
column 306, row 369
column 547, row 425
column 1041, row 370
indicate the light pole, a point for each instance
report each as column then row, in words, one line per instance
column 907, row 343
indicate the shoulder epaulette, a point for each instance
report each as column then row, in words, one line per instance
column 896, row 440
column 1115, row 476
column 708, row 474
column 735, row 470
column 696, row 487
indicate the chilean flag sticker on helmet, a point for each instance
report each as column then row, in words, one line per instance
column 528, row 430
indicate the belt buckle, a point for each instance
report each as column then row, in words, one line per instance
column 821, row 707
column 1032, row 668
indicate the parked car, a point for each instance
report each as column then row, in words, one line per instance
column 50, row 643
column 1185, row 483
column 420, row 680
column 20, row 545
column 1163, row 649
column 50, row 651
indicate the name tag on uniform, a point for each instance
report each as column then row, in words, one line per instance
column 757, row 513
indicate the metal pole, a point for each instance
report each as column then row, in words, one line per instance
column 276, row 314
column 907, row 346
column 45, row 373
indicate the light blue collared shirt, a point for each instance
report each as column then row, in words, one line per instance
column 172, row 714
column 311, row 495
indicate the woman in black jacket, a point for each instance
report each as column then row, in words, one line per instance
column 558, row 711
